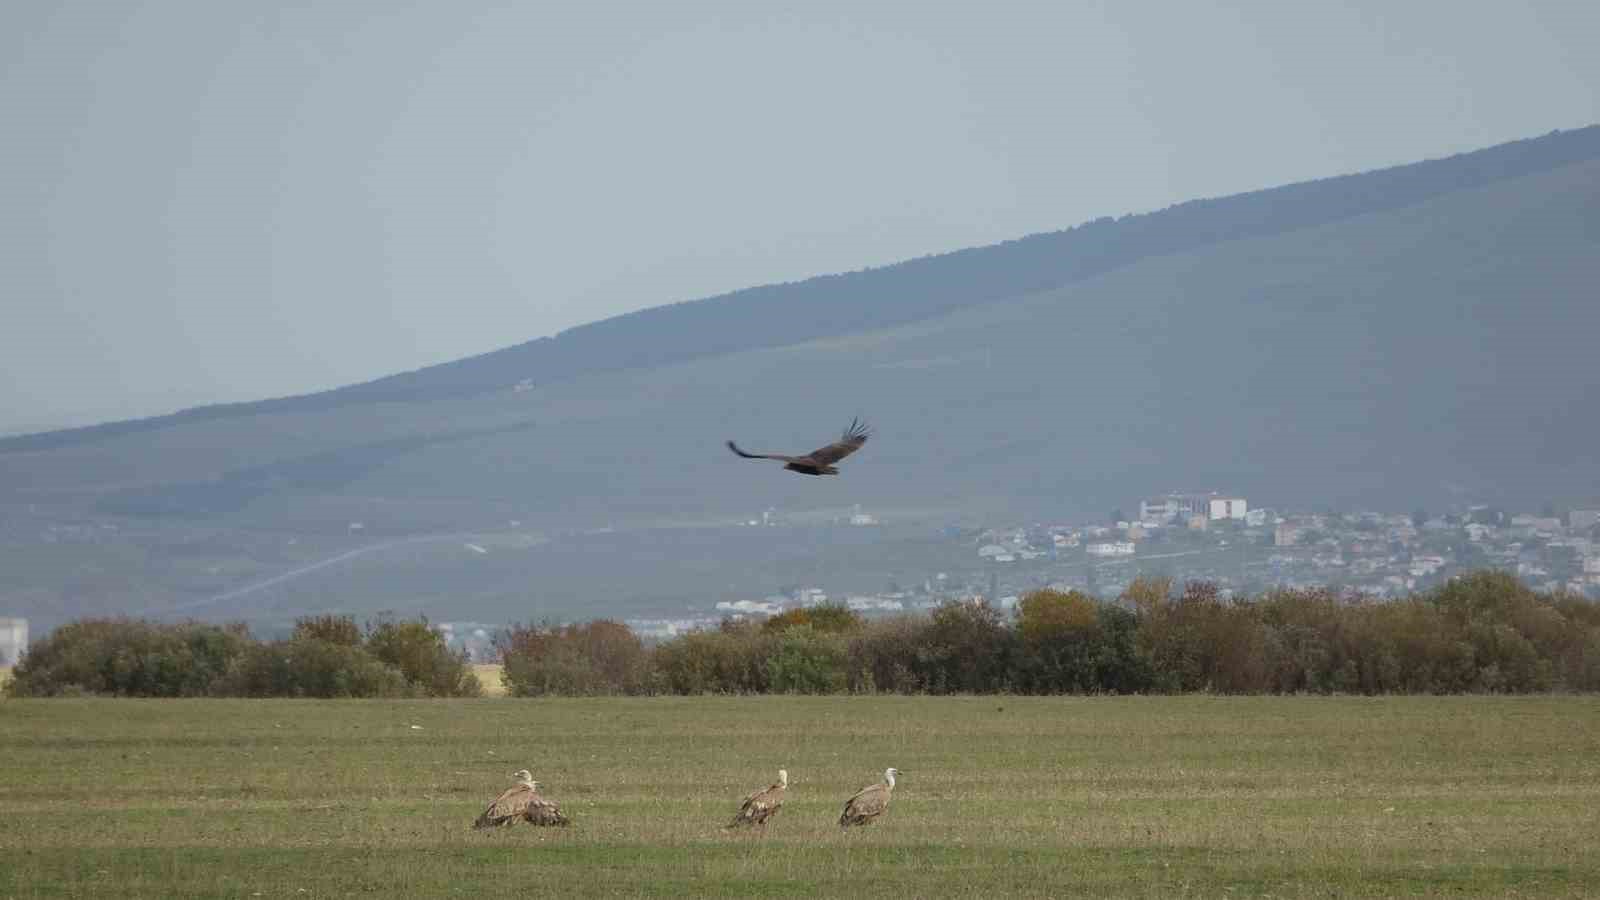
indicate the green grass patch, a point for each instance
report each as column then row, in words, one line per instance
column 1168, row 796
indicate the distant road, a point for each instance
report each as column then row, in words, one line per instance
column 306, row 570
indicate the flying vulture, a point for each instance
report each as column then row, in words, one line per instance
column 762, row 805
column 869, row 802
column 819, row 461
column 521, row 801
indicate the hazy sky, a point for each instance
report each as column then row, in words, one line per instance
column 212, row 200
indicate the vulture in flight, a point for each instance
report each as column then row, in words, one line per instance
column 869, row 802
column 762, row 805
column 521, row 801
column 819, row 461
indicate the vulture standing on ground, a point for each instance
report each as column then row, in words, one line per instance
column 762, row 805
column 521, row 801
column 869, row 802
column 819, row 461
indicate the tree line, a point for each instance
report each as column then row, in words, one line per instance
column 1482, row 633
column 325, row 656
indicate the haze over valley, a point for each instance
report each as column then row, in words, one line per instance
column 1414, row 336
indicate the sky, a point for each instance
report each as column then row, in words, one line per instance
column 218, row 200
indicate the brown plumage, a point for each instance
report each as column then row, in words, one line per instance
column 819, row 461
column 869, row 802
column 542, row 811
column 521, row 801
column 762, row 805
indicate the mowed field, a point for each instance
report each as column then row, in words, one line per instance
column 1133, row 796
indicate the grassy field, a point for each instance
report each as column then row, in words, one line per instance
column 1156, row 797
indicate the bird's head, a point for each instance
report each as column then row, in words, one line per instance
column 889, row 775
column 522, row 775
column 783, row 777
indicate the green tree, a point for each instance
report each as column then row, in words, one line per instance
column 804, row 660
column 829, row 618
column 341, row 630
column 422, row 656
column 1059, row 634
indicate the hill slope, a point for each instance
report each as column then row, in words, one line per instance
column 781, row 314
column 1398, row 356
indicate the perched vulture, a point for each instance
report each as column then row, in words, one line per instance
column 819, row 461
column 762, row 805
column 869, row 802
column 521, row 801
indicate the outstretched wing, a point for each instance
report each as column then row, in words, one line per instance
column 544, row 812
column 506, row 807
column 853, row 438
column 735, row 448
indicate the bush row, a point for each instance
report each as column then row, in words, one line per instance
column 1483, row 633
column 327, row 656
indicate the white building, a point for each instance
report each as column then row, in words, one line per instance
column 862, row 518
column 1583, row 519
column 1183, row 507
column 874, row 604
column 1157, row 509
column 1110, row 548
column 1227, row 508
column 763, row 607
column 13, row 640
column 1422, row 566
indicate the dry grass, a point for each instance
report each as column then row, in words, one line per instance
column 489, row 676
column 1285, row 797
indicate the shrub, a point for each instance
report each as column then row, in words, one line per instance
column 886, row 656
column 421, row 655
column 722, row 661
column 600, row 657
column 804, row 660
column 129, row 658
column 310, row 667
column 1201, row 643
column 962, row 647
column 340, row 630
column 1060, row 636
column 828, row 618
column 1119, row 666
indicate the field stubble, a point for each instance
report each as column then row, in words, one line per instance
column 1167, row 796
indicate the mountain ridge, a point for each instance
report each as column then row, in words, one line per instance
column 948, row 281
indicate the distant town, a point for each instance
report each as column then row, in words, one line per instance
column 1222, row 539
column 1185, row 536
